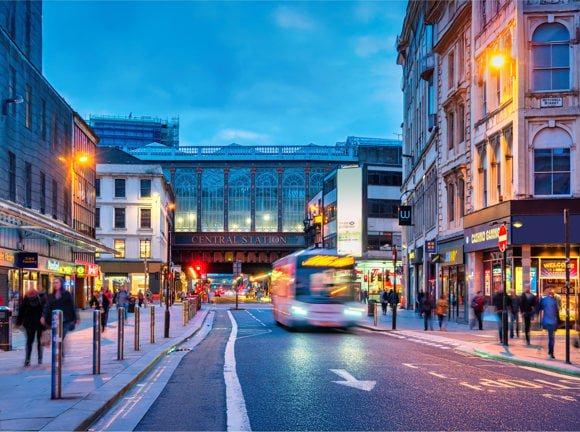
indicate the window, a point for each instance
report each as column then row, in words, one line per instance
column 12, row 88
column 119, row 246
column 67, row 204
column 293, row 198
column 551, row 58
column 212, row 200
column 239, row 200
column 54, row 199
column 145, row 218
column 12, row 176
column 28, row 191
column 484, row 98
column 498, row 88
column 185, row 185
column 145, row 188
column 461, row 124
column 450, row 203
column 483, row 5
column 450, row 130
column 451, row 71
column 461, row 197
column 145, row 248
column 98, row 188
column 28, row 102
column 461, row 58
column 119, row 188
column 266, row 200
column 385, row 178
column 384, row 209
column 54, row 139
column 552, row 171
column 43, row 119
column 97, row 217
column 482, row 171
column 119, row 221
column 42, row 193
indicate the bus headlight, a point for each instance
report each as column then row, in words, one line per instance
column 354, row 312
column 299, row 311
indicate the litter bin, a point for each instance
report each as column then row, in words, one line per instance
column 5, row 328
column 131, row 308
column 371, row 303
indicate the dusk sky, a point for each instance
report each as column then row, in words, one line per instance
column 255, row 73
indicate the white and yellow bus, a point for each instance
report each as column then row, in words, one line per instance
column 315, row 287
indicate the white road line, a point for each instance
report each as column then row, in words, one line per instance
column 438, row 375
column 252, row 315
column 554, row 374
column 409, row 365
column 237, row 415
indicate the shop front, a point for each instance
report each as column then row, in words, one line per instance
column 135, row 276
column 375, row 276
column 452, row 275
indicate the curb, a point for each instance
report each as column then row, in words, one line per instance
column 531, row 363
column 62, row 423
column 376, row 329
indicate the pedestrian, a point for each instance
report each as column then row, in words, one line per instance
column 123, row 300
column 514, row 310
column 384, row 301
column 498, row 302
column 427, row 307
column 550, row 317
column 60, row 299
column 140, row 298
column 442, row 309
column 105, row 306
column 393, row 299
column 29, row 316
column 148, row 296
column 94, row 302
column 116, row 298
column 363, row 296
column 420, row 298
column 478, row 306
column 528, row 306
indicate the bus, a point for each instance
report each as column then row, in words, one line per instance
column 315, row 287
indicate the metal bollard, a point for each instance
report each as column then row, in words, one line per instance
column 395, row 317
column 120, row 333
column 152, row 325
column 96, row 342
column 194, row 306
column 375, row 313
column 184, row 305
column 56, row 375
column 137, row 327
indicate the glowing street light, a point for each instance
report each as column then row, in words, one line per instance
column 497, row 60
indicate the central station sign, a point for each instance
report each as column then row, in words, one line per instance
column 240, row 240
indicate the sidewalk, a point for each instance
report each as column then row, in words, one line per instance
column 484, row 343
column 25, row 402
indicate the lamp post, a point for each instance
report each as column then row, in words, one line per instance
column 567, row 251
column 170, row 206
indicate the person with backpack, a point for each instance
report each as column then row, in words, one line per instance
column 478, row 305
column 384, row 301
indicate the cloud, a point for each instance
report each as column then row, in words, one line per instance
column 367, row 46
column 285, row 17
column 239, row 135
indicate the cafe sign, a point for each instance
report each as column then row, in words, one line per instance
column 80, row 270
column 556, row 269
column 66, row 269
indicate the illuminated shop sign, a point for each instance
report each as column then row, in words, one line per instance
column 66, row 269
column 27, row 260
column 482, row 237
column 80, row 270
column 328, row 261
column 245, row 240
column 92, row 269
column 349, row 232
column 451, row 255
column 7, row 257
column 52, row 265
column 556, row 269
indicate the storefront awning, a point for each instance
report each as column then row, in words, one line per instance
column 14, row 216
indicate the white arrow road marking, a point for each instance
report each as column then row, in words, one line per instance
column 352, row 381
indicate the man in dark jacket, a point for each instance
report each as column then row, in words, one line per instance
column 528, row 306
column 497, row 302
column 514, row 310
column 29, row 316
column 60, row 299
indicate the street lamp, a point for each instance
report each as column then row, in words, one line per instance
column 497, row 60
column 170, row 206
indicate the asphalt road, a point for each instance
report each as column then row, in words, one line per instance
column 357, row 380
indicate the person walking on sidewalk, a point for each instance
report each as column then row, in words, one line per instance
column 393, row 299
column 420, row 298
column 29, row 316
column 514, row 310
column 427, row 309
column 442, row 309
column 105, row 306
column 60, row 299
column 497, row 302
column 528, row 305
column 478, row 305
column 384, row 301
column 123, row 301
column 140, row 297
column 549, row 310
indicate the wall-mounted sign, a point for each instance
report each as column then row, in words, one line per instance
column 405, row 215
column 66, row 269
column 431, row 246
column 451, row 256
column 80, row 270
column 92, row 269
column 7, row 258
column 27, row 260
column 52, row 265
column 482, row 237
column 556, row 269
column 216, row 240
column 550, row 102
column 349, row 218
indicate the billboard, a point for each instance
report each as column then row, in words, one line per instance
column 349, row 219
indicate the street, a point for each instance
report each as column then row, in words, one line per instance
column 339, row 380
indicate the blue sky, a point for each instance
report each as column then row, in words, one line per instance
column 256, row 73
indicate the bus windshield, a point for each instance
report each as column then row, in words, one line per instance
column 325, row 283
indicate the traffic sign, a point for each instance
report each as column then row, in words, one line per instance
column 502, row 238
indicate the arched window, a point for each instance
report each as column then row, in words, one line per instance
column 293, row 200
column 552, row 162
column 185, row 186
column 551, row 58
column 266, row 192
column 239, row 200
column 212, row 200
column 315, row 185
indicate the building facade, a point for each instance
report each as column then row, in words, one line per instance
column 38, row 239
column 116, row 131
column 508, row 122
column 134, row 217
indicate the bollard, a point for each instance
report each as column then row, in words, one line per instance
column 189, row 304
column 137, row 327
column 395, row 317
column 194, row 306
column 152, row 325
column 56, row 375
column 120, row 333
column 96, row 342
column 184, row 305
column 375, row 313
